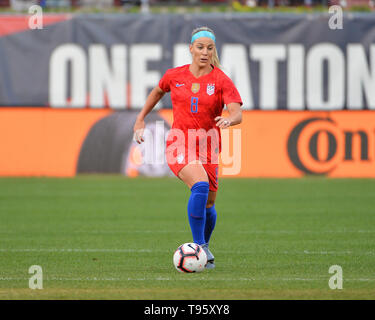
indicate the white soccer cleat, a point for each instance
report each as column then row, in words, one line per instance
column 210, row 257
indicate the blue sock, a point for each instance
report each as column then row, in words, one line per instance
column 197, row 210
column 211, row 216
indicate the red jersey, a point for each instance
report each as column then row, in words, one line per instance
column 196, row 103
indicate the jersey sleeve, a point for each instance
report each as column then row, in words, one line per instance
column 164, row 82
column 230, row 92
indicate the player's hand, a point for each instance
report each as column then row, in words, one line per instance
column 222, row 123
column 138, row 129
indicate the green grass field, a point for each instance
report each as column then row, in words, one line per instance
column 110, row 237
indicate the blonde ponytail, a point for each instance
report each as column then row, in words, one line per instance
column 215, row 59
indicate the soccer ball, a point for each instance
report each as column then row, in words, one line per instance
column 190, row 257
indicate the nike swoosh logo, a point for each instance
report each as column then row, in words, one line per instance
column 180, row 85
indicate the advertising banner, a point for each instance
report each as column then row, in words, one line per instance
column 278, row 62
column 52, row 142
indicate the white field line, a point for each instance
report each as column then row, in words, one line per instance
column 123, row 232
column 238, row 232
column 98, row 250
column 349, row 252
column 302, row 231
column 179, row 279
column 98, row 231
column 80, row 250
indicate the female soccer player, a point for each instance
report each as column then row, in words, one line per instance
column 199, row 92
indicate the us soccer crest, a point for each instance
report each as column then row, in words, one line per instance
column 195, row 87
column 210, row 89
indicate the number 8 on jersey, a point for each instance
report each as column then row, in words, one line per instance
column 194, row 105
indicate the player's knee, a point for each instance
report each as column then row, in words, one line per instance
column 193, row 173
column 197, row 178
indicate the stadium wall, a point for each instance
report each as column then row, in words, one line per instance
column 69, row 92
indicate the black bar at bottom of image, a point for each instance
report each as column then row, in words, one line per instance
column 178, row 309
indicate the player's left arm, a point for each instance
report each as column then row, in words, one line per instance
column 235, row 116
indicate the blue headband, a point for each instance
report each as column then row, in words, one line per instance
column 203, row 34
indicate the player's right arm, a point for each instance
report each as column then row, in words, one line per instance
column 153, row 98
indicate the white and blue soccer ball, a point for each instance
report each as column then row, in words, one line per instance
column 190, row 257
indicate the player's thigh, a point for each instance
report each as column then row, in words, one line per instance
column 192, row 173
column 211, row 199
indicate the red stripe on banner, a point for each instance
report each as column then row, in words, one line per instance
column 14, row 24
